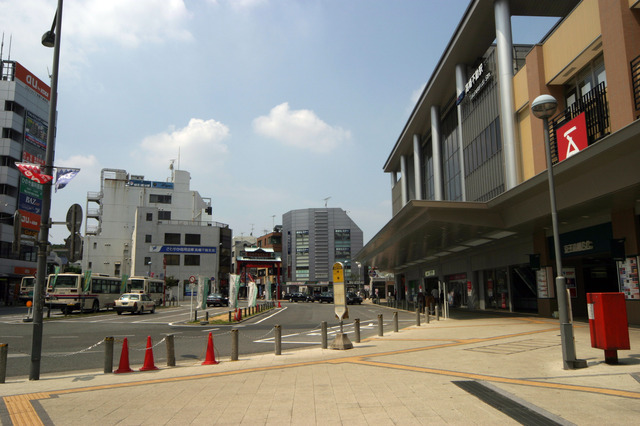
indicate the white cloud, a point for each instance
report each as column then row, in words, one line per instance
column 128, row 23
column 415, row 96
column 199, row 145
column 301, row 129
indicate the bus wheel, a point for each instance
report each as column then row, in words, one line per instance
column 153, row 310
column 96, row 306
column 65, row 311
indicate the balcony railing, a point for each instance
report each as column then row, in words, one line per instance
column 635, row 78
column 594, row 105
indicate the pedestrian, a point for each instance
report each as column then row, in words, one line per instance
column 421, row 302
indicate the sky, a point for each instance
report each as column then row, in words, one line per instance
column 271, row 105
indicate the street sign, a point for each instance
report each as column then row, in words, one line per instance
column 339, row 293
column 192, row 279
column 73, row 244
column 74, row 218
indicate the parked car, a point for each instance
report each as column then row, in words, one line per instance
column 217, row 299
column 134, row 303
column 298, row 297
column 353, row 298
column 325, row 297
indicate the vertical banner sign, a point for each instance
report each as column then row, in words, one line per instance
column 200, row 296
column 233, row 290
column 572, row 137
column 339, row 293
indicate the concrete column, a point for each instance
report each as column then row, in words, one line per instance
column 461, row 79
column 436, row 154
column 417, row 166
column 405, row 180
column 505, row 78
column 394, row 179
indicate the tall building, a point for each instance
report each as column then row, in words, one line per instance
column 469, row 187
column 312, row 241
column 24, row 99
column 140, row 227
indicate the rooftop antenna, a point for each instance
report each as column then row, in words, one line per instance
column 9, row 54
column 273, row 221
column 252, row 225
column 325, row 201
column 1, row 47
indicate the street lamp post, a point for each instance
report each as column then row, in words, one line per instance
column 49, row 39
column 543, row 107
column 149, row 274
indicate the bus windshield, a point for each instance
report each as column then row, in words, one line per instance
column 66, row 281
column 136, row 284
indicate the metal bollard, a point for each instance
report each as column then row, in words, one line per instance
column 234, row 344
column 426, row 316
column 278, row 340
column 171, row 352
column 4, row 349
column 418, row 317
column 195, row 315
column 325, row 344
column 380, row 329
column 108, row 354
column 356, row 330
column 395, row 322
column 437, row 313
column 207, row 316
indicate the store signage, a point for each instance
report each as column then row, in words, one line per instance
column 182, row 249
column 29, row 203
column 32, row 81
column 476, row 83
column 579, row 246
column 30, row 220
column 430, row 273
column 572, row 137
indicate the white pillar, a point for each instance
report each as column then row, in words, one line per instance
column 505, row 78
column 405, row 180
column 436, row 155
column 461, row 79
column 417, row 166
column 394, row 179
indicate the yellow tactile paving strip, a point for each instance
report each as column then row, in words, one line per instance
column 22, row 411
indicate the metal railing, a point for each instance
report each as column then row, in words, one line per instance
column 635, row 79
column 596, row 108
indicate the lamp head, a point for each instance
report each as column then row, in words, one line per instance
column 544, row 106
column 49, row 39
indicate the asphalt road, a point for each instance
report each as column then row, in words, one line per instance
column 76, row 342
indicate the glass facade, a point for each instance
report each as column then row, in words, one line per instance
column 451, row 157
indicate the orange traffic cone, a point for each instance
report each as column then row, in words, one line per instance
column 148, row 357
column 124, row 359
column 211, row 354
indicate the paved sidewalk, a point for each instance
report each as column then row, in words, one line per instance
column 473, row 369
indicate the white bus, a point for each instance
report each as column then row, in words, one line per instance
column 26, row 289
column 152, row 286
column 69, row 294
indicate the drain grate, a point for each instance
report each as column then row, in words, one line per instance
column 515, row 347
column 519, row 412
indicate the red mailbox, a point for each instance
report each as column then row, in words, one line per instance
column 608, row 324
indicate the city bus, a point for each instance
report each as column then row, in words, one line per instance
column 154, row 287
column 69, row 293
column 26, row 289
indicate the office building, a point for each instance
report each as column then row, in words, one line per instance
column 312, row 241
column 140, row 227
column 24, row 100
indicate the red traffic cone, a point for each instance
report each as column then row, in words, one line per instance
column 124, row 359
column 148, row 357
column 279, row 305
column 211, row 354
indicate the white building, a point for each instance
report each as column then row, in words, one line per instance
column 154, row 228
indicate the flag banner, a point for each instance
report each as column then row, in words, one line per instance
column 32, row 171
column 234, row 284
column 253, row 290
column 123, row 284
column 87, row 281
column 64, row 176
column 56, row 271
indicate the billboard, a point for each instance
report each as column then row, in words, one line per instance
column 33, row 82
column 35, row 131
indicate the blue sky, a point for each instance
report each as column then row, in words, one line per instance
column 272, row 105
